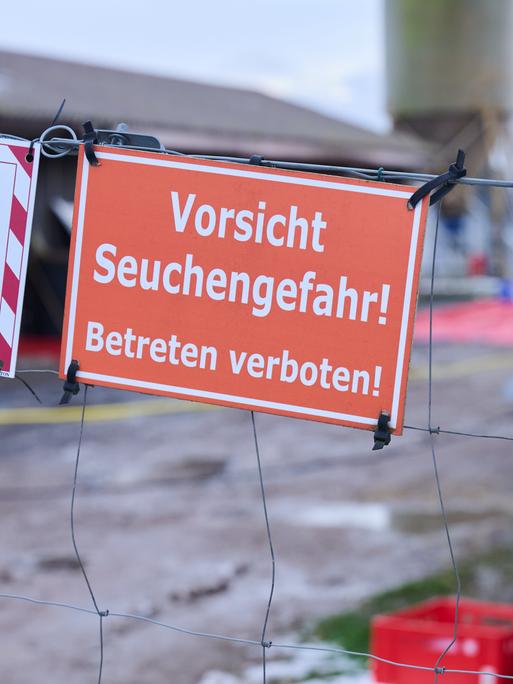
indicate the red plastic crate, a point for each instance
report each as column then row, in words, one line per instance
column 418, row 635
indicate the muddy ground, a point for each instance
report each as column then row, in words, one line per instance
column 170, row 523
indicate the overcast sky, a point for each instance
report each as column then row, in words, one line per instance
column 326, row 54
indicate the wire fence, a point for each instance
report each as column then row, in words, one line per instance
column 61, row 147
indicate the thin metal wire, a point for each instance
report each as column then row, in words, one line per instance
column 51, row 604
column 58, row 112
column 242, row 475
column 358, row 654
column 365, row 173
column 251, row 642
column 439, row 430
column 72, row 508
column 265, row 644
column 100, row 669
column 183, row 630
column 140, row 618
column 38, row 370
column 431, row 304
column 453, row 558
column 480, row 673
column 437, row 669
column 64, row 146
column 418, row 428
column 296, row 469
column 30, row 389
column 101, row 614
column 51, row 127
column 378, row 659
column 51, row 145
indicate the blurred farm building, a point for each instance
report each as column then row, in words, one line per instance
column 186, row 116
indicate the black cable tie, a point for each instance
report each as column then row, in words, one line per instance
column 29, row 157
column 90, row 139
column 71, row 386
column 103, row 613
column 444, row 183
column 256, row 160
column 382, row 434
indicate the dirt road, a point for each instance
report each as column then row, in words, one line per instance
column 170, row 524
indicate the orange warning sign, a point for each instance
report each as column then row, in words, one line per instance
column 279, row 291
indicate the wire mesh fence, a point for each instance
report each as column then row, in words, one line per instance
column 263, row 642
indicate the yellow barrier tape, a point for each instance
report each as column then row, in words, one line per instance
column 105, row 413
column 99, row 413
column 463, row 367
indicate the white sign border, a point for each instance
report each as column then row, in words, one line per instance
column 36, row 149
column 245, row 173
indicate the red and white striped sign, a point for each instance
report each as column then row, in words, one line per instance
column 18, row 178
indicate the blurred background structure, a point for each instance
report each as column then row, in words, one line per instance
column 194, row 118
column 450, row 82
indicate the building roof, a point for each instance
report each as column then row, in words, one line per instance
column 189, row 116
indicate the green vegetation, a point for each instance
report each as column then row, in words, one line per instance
column 314, row 674
column 488, row 576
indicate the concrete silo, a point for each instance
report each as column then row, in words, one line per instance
column 450, row 80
